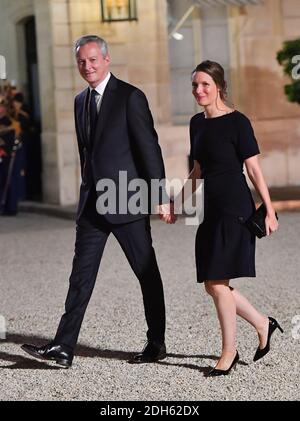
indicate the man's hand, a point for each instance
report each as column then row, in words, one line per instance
column 166, row 213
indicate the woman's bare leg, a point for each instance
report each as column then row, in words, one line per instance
column 226, row 310
column 258, row 320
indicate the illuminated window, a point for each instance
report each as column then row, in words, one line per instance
column 118, row 10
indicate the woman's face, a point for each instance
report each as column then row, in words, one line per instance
column 205, row 90
column 17, row 105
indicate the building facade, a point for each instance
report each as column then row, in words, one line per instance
column 156, row 52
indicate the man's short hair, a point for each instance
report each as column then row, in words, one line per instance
column 86, row 39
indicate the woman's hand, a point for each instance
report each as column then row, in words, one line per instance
column 166, row 213
column 271, row 223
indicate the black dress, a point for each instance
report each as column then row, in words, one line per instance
column 225, row 248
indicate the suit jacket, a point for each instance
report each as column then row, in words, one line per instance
column 124, row 140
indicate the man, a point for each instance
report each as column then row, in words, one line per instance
column 115, row 132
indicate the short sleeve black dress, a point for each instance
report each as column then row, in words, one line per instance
column 225, row 248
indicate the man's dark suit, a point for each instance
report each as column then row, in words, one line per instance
column 124, row 140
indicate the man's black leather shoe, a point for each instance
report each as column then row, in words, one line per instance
column 152, row 352
column 59, row 353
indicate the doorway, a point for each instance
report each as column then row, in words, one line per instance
column 32, row 141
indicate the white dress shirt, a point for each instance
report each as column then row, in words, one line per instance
column 100, row 91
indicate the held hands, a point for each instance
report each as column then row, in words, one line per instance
column 166, row 213
column 271, row 223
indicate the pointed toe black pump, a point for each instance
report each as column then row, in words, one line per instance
column 273, row 325
column 215, row 372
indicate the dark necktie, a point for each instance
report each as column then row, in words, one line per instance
column 93, row 114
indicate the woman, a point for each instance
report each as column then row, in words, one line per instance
column 222, row 140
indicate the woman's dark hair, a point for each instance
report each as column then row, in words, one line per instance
column 216, row 72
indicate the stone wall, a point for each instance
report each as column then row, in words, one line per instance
column 257, row 34
column 139, row 53
column 256, row 81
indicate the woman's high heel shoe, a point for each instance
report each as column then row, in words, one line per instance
column 216, row 372
column 273, row 325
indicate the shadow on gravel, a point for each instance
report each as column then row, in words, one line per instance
column 23, row 363
column 87, row 351
column 80, row 351
column 196, row 367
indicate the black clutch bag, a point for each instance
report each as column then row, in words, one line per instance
column 256, row 222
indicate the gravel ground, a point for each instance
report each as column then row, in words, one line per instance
column 35, row 255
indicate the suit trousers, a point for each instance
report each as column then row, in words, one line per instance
column 92, row 232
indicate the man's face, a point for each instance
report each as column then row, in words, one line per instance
column 92, row 66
